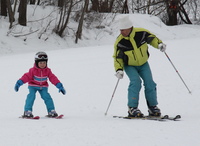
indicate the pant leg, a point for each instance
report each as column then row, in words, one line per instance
column 47, row 99
column 149, row 85
column 134, row 85
column 30, row 99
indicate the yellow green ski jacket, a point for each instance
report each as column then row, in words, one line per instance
column 133, row 49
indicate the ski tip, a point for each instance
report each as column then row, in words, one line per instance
column 36, row 117
column 165, row 117
column 178, row 116
column 59, row 117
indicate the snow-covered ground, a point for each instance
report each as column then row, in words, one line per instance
column 88, row 77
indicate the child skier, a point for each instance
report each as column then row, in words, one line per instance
column 37, row 81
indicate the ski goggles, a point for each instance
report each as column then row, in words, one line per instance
column 41, row 56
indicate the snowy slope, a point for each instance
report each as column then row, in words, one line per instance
column 88, row 76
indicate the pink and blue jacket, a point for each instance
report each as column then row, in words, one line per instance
column 38, row 77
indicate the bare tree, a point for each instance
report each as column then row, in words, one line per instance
column 175, row 7
column 95, row 5
column 172, row 11
column 79, row 31
column 10, row 13
column 182, row 11
column 60, row 3
column 63, row 20
column 104, row 5
column 32, row 2
column 22, row 12
column 111, row 5
column 4, row 8
column 193, row 5
column 125, row 7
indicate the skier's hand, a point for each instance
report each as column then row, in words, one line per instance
column 119, row 74
column 162, row 47
column 18, row 84
column 61, row 88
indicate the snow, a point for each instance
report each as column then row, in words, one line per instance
column 88, row 77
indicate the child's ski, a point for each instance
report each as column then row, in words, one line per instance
column 33, row 118
column 58, row 117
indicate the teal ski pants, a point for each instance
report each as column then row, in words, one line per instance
column 44, row 95
column 135, row 74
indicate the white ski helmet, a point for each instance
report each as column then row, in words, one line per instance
column 40, row 56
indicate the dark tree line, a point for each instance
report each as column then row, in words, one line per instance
column 172, row 9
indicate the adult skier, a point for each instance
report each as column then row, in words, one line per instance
column 131, row 55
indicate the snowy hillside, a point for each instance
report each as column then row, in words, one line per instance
column 88, row 76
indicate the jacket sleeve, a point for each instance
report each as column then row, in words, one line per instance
column 52, row 78
column 153, row 40
column 118, row 62
column 27, row 76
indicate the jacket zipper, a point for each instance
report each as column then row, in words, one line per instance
column 41, row 80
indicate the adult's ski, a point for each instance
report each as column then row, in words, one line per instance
column 161, row 118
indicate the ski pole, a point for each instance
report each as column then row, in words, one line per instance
column 178, row 73
column 112, row 97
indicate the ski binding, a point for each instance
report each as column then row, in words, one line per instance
column 33, row 118
column 58, row 117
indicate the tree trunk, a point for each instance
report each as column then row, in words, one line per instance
column 3, row 8
column 60, row 3
column 182, row 9
column 62, row 22
column 32, row 2
column 175, row 7
column 38, row 2
column 15, row 5
column 172, row 17
column 95, row 5
column 80, row 25
column 111, row 5
column 10, row 12
column 125, row 8
column 104, row 7
column 22, row 12
column 172, row 10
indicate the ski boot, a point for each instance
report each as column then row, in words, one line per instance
column 154, row 111
column 135, row 112
column 52, row 114
column 28, row 114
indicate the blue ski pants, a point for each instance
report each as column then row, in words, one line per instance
column 44, row 95
column 135, row 74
